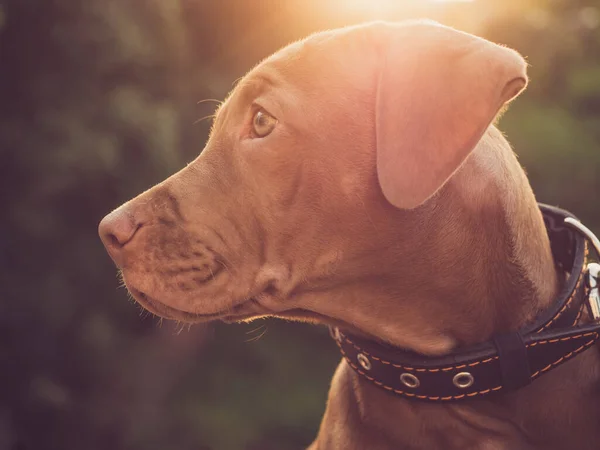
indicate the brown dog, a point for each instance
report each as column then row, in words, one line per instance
column 354, row 179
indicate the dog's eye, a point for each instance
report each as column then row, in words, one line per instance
column 263, row 123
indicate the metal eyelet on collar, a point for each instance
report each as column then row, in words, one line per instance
column 463, row 380
column 409, row 380
column 363, row 361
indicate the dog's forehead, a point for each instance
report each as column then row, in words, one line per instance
column 365, row 37
column 326, row 44
column 333, row 60
column 327, row 57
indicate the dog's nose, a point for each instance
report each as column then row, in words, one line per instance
column 116, row 230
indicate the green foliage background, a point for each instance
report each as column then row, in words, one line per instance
column 98, row 101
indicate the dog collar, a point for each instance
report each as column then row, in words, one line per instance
column 508, row 361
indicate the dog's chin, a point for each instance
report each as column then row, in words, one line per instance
column 247, row 309
column 161, row 309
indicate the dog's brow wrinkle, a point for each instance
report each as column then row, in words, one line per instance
column 260, row 79
column 253, row 85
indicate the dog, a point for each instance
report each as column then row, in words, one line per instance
column 356, row 179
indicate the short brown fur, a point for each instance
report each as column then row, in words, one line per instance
column 334, row 219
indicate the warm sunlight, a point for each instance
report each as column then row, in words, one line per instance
column 360, row 10
column 351, row 181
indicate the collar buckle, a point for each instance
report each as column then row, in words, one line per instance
column 593, row 269
column 593, row 274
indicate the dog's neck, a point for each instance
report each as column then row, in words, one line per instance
column 474, row 260
column 487, row 289
column 489, row 251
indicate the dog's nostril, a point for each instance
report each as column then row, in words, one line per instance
column 114, row 241
column 117, row 229
column 117, row 235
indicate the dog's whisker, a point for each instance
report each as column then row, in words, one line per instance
column 256, row 338
column 143, row 313
column 256, row 329
column 130, row 297
column 199, row 102
column 225, row 266
column 179, row 327
column 210, row 116
column 236, row 81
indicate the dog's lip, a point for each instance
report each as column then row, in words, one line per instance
column 161, row 309
column 249, row 309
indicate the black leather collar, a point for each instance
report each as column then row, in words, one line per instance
column 508, row 361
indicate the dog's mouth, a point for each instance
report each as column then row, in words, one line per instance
column 246, row 309
column 168, row 312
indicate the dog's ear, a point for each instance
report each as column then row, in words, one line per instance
column 439, row 90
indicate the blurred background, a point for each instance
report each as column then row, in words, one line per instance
column 99, row 101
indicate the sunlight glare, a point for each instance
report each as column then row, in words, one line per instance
column 384, row 9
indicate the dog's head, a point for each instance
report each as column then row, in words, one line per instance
column 310, row 184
